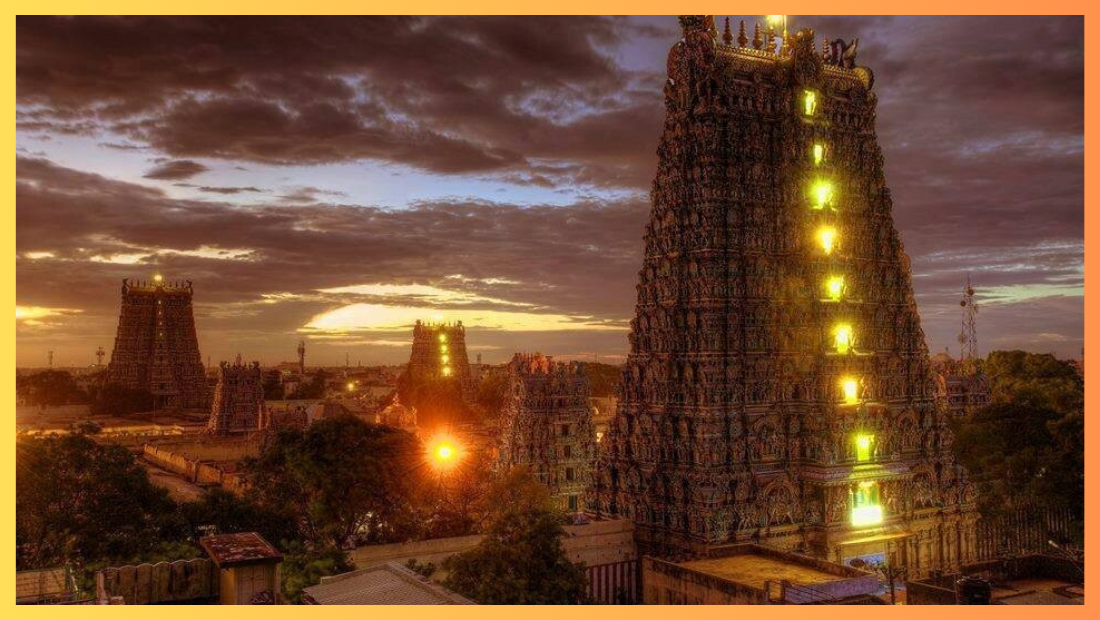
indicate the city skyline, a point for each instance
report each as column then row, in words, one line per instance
column 490, row 170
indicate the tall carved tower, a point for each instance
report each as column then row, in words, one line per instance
column 547, row 427
column 238, row 399
column 438, row 352
column 156, row 348
column 778, row 386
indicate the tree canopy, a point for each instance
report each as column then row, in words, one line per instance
column 521, row 560
column 344, row 479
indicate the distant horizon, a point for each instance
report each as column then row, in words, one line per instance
column 493, row 170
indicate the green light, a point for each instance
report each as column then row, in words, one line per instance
column 826, row 238
column 809, row 102
column 850, row 387
column 835, row 287
column 819, row 154
column 863, row 447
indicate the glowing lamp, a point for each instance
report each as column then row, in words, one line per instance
column 351, row 386
column 863, row 447
column 866, row 516
column 446, row 359
column 442, row 348
column 819, row 154
column 443, row 337
column 774, row 20
column 443, row 451
column 843, row 338
column 809, row 102
column 822, row 194
column 850, row 388
column 826, row 238
column 158, row 278
column 446, row 371
column 835, row 287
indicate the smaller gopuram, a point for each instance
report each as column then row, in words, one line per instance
column 546, row 425
column 439, row 352
column 238, row 399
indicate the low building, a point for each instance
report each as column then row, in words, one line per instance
column 1035, row 579
column 387, row 584
column 248, row 568
column 750, row 574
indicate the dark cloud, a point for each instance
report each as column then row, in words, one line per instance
column 174, row 170
column 447, row 95
column 980, row 119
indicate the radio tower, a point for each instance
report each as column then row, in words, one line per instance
column 99, row 353
column 50, row 357
column 302, row 357
column 968, row 337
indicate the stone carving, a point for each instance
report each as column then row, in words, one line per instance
column 732, row 380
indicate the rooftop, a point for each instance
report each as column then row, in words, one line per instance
column 387, row 584
column 756, row 570
column 239, row 548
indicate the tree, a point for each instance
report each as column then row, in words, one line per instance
column 315, row 388
column 78, row 501
column 454, row 502
column 345, row 480
column 521, row 559
column 303, row 568
column 1026, row 449
column 49, row 388
column 273, row 385
column 222, row 512
column 114, row 399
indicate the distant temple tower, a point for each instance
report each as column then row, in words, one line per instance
column 778, row 385
column 439, row 352
column 547, row 427
column 238, row 399
column 156, row 348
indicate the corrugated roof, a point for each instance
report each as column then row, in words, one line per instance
column 387, row 584
column 239, row 548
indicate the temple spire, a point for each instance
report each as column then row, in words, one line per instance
column 742, row 38
column 727, row 36
column 757, row 42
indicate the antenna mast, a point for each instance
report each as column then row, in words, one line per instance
column 968, row 337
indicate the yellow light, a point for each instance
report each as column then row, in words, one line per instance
column 863, row 447
column 834, row 286
column 351, row 386
column 819, row 154
column 774, row 20
column 826, row 237
column 843, row 338
column 809, row 102
column 446, row 371
column 822, row 194
column 866, row 516
column 442, row 348
column 850, row 388
column 446, row 359
column 443, row 337
column 599, row 436
column 158, row 278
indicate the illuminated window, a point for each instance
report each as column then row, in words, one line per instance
column 819, row 154
column 446, row 359
column 443, row 337
column 442, row 348
column 850, row 388
column 863, row 447
column 834, row 287
column 809, row 102
column 866, row 509
column 826, row 238
column 446, row 371
column 821, row 195
column 843, row 338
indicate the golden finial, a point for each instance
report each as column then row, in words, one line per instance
column 769, row 45
column 742, row 38
column 727, row 35
column 757, row 42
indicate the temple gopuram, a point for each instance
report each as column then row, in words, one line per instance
column 156, row 347
column 238, row 399
column 546, row 426
column 439, row 352
column 778, row 387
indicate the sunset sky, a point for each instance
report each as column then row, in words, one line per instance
column 336, row 179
